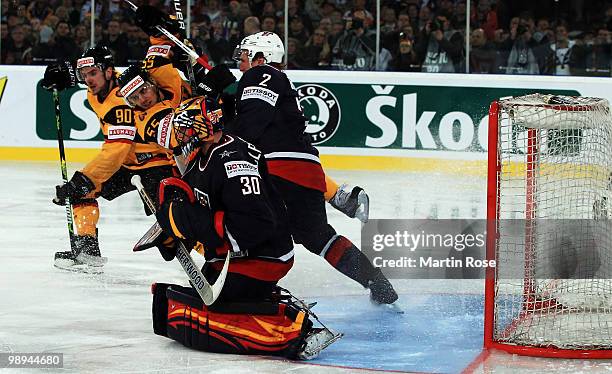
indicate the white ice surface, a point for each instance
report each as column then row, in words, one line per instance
column 102, row 322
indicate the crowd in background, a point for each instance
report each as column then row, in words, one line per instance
column 565, row 37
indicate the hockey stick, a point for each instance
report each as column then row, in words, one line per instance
column 62, row 155
column 207, row 292
column 201, row 60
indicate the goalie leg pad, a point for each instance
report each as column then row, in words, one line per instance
column 262, row 328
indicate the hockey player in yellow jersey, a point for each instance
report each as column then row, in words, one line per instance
column 124, row 153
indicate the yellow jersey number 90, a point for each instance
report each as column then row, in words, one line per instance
column 123, row 115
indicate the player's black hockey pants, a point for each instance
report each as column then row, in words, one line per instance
column 309, row 227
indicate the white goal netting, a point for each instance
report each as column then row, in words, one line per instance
column 553, row 284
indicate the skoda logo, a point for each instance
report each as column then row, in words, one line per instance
column 321, row 110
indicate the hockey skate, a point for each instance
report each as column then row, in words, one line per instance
column 87, row 259
column 381, row 290
column 317, row 340
column 355, row 203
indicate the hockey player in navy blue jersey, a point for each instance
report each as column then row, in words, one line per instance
column 268, row 114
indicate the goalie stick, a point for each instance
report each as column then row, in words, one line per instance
column 200, row 59
column 208, row 293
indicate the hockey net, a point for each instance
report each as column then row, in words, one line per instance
column 549, row 187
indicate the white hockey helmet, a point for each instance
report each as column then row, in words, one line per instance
column 265, row 42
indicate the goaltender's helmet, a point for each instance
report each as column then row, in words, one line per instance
column 197, row 119
column 130, row 81
column 266, row 42
column 98, row 56
column 195, row 122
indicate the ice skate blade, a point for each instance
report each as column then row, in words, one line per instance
column 91, row 260
column 317, row 342
column 392, row 308
column 75, row 267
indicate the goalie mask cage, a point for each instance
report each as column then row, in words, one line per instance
column 549, row 158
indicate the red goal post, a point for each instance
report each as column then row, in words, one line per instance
column 549, row 170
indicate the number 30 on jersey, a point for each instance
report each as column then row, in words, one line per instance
column 250, row 185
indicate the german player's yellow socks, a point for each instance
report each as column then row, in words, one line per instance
column 331, row 186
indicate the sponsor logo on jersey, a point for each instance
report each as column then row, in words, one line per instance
column 85, row 61
column 260, row 93
column 163, row 132
column 236, row 168
column 121, row 132
column 159, row 50
column 131, row 86
column 3, row 81
column 322, row 112
column 226, row 153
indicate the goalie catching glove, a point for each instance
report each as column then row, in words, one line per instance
column 182, row 217
column 79, row 186
column 59, row 76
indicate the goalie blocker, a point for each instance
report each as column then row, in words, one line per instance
column 272, row 327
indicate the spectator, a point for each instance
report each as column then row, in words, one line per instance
column 424, row 18
column 592, row 57
column 336, row 32
column 389, row 22
column 116, row 42
column 312, row 10
column 327, row 8
column 413, row 14
column 268, row 23
column 542, row 32
column 297, row 29
column 293, row 9
column 293, row 54
column 43, row 54
column 17, row 44
column 36, row 24
column 326, row 25
column 482, row 53
column 522, row 60
column 269, row 10
column 65, row 46
column 213, row 10
column 244, row 11
column 280, row 28
column 406, row 59
column 81, row 38
column 51, row 21
column 221, row 48
column 391, row 40
column 39, row 9
column 558, row 61
column 317, row 51
column 354, row 50
column 251, row 26
column 4, row 33
column 137, row 46
column 441, row 47
column 62, row 14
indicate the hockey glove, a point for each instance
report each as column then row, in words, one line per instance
column 181, row 217
column 174, row 189
column 228, row 105
column 213, row 83
column 79, row 186
column 59, row 76
column 148, row 17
